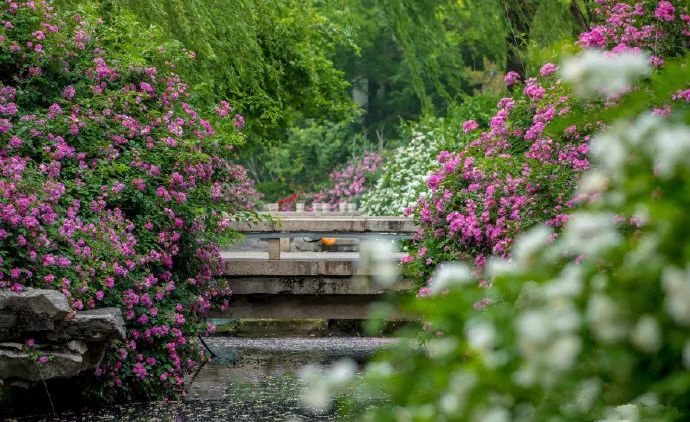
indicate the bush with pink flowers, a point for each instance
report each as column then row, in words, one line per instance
column 348, row 182
column 115, row 191
column 522, row 169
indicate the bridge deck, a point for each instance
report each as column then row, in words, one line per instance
column 304, row 264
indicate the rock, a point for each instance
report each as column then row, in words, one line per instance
column 48, row 303
column 7, row 320
column 13, row 346
column 72, row 344
column 95, row 325
column 77, row 346
column 32, row 310
column 19, row 365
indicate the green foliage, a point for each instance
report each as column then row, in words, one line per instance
column 407, row 166
column 115, row 191
column 271, row 57
column 592, row 325
column 302, row 163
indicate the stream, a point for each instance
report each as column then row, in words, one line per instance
column 249, row 380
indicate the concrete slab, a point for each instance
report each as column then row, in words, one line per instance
column 329, row 224
column 309, row 286
column 298, row 306
column 314, row 264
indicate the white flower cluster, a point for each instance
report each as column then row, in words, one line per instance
column 322, row 384
column 404, row 178
column 596, row 292
column 379, row 258
column 598, row 72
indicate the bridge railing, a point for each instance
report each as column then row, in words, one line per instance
column 290, row 225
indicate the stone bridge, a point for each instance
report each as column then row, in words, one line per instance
column 286, row 283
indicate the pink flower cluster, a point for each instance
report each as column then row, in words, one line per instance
column 655, row 26
column 350, row 181
column 517, row 173
column 114, row 191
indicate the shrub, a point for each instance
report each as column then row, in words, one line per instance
column 406, row 167
column 588, row 325
column 348, row 182
column 115, row 191
column 521, row 170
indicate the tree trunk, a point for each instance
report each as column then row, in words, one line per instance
column 518, row 15
column 579, row 15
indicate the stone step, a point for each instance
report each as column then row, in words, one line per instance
column 298, row 307
column 298, row 264
column 357, row 285
column 262, row 327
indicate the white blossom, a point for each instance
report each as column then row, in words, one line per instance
column 379, row 257
column 623, row 413
column 320, row 385
column 646, row 335
column 569, row 283
column 671, row 148
column 605, row 319
column 449, row 275
column 481, row 335
column 590, row 234
column 594, row 71
column 594, row 182
column 529, row 244
column 676, row 284
column 494, row 414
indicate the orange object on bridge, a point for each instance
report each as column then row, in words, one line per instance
column 328, row 241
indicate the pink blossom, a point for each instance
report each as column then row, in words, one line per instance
column 511, row 78
column 548, row 69
column 665, row 11
column 470, row 126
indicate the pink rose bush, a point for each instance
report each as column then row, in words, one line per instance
column 518, row 172
column 349, row 182
column 115, row 191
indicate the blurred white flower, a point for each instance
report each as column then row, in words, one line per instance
column 497, row 267
column 676, row 284
column 379, row 369
column 646, row 335
column 671, row 149
column 481, row 335
column 586, row 394
column 320, row 385
column 624, row 413
column 605, row 318
column 609, row 150
column 341, row 372
column 589, row 234
column 495, row 414
column 378, row 257
column 596, row 72
column 316, row 394
column 529, row 244
column 561, row 354
column 569, row 283
column 593, row 182
column 442, row 347
column 449, row 275
column 459, row 387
